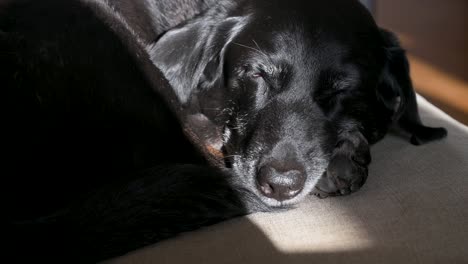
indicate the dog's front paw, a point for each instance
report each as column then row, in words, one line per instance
column 347, row 174
column 344, row 175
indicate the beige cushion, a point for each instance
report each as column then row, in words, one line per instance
column 413, row 209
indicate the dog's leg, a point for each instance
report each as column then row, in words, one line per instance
column 347, row 170
column 158, row 204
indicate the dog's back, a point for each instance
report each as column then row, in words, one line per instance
column 78, row 110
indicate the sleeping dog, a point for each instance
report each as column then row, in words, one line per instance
column 131, row 121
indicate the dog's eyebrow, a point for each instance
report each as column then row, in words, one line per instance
column 345, row 82
column 256, row 44
column 340, row 79
column 350, row 77
column 252, row 48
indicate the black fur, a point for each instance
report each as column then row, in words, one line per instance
column 127, row 122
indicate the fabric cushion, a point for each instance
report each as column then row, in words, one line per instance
column 413, row 209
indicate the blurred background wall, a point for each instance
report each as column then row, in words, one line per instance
column 435, row 34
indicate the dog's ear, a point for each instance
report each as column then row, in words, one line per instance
column 191, row 56
column 396, row 92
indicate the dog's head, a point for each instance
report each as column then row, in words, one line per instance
column 265, row 87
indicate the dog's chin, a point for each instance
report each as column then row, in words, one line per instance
column 289, row 203
column 285, row 204
column 272, row 203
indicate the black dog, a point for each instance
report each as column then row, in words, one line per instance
column 268, row 100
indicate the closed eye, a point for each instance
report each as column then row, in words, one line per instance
column 327, row 96
column 272, row 76
column 333, row 83
column 258, row 75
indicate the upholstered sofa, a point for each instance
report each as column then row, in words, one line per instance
column 413, row 209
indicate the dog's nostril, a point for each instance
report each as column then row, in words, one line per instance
column 266, row 188
column 280, row 185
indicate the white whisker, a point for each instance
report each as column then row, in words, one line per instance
column 248, row 47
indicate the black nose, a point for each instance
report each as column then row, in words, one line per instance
column 280, row 185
